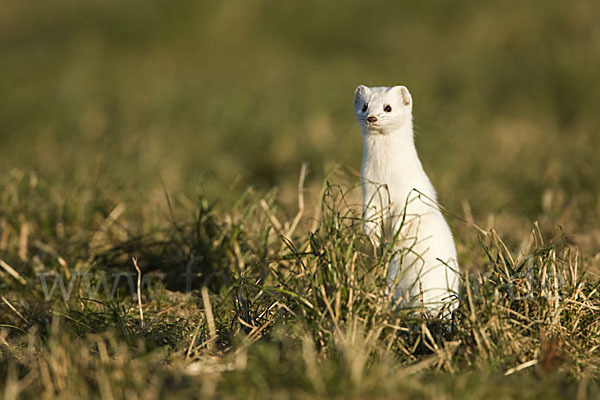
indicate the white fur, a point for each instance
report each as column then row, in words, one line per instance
column 400, row 202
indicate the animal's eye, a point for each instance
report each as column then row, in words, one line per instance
column 365, row 107
column 387, row 108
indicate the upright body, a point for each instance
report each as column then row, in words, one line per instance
column 400, row 204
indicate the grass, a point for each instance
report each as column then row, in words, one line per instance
column 175, row 136
column 266, row 310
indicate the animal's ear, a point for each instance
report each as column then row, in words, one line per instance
column 404, row 95
column 360, row 92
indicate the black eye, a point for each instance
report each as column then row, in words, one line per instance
column 387, row 108
column 365, row 107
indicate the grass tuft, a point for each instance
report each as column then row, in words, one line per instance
column 232, row 306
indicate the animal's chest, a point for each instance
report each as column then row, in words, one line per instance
column 401, row 203
column 383, row 188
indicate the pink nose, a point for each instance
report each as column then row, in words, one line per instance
column 372, row 119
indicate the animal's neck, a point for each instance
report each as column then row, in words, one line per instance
column 391, row 159
column 391, row 151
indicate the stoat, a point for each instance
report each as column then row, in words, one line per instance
column 400, row 204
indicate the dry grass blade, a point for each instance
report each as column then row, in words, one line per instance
column 272, row 218
column 210, row 319
column 12, row 272
column 193, row 341
column 14, row 309
column 139, row 290
column 112, row 217
column 520, row 367
column 298, row 216
column 23, row 241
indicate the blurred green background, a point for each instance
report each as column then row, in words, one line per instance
column 116, row 95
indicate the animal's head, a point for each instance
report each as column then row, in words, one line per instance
column 382, row 109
